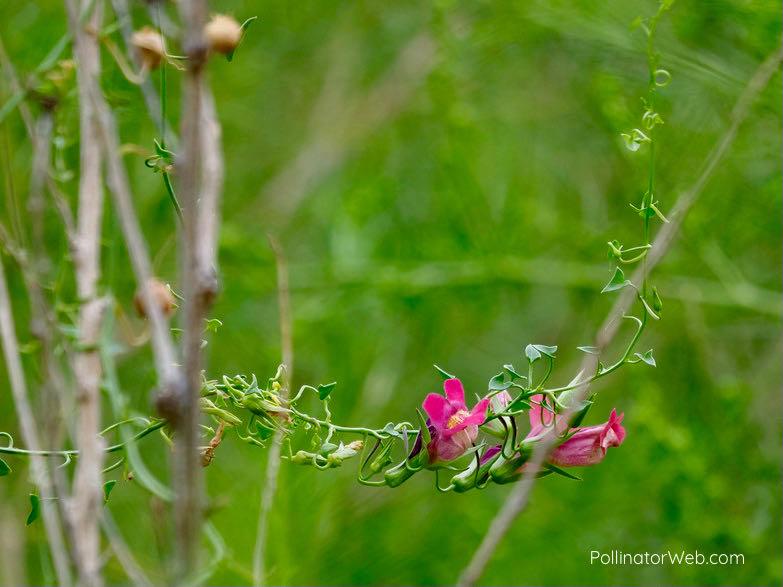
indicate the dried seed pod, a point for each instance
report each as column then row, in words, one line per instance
column 150, row 47
column 223, row 33
column 161, row 295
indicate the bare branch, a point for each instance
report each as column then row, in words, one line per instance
column 200, row 169
column 518, row 499
column 273, row 459
column 87, row 502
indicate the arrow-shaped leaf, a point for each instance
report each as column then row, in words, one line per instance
column 618, row 281
column 325, row 389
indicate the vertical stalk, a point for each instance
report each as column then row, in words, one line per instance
column 88, row 493
column 200, row 170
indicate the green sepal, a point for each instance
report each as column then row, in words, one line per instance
column 559, row 471
column 426, row 437
column 505, row 470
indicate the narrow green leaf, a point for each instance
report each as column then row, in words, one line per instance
column 245, row 25
column 443, row 373
column 590, row 350
column 35, row 508
column 5, row 469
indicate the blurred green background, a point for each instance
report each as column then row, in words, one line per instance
column 444, row 177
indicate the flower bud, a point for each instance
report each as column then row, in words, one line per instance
column 302, row 457
column 505, row 470
column 497, row 404
column 149, row 46
column 344, row 451
column 161, row 296
column 223, row 34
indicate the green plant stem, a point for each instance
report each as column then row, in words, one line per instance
column 375, row 433
column 12, row 450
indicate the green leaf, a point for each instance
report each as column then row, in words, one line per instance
column 560, row 471
column 35, row 508
column 497, row 383
column 107, row 487
column 325, row 389
column 647, row 358
column 533, row 352
column 443, row 373
column 511, row 371
column 243, row 28
column 520, row 402
column 618, row 281
column 389, row 429
column 4, row 468
column 590, row 350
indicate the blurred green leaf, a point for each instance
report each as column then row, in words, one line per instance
column 35, row 509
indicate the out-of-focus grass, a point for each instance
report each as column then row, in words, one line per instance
column 466, row 223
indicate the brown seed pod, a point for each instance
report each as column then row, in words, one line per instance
column 150, row 48
column 223, row 33
column 162, row 296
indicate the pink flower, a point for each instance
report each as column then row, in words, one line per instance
column 453, row 427
column 586, row 445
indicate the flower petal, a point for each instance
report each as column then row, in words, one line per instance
column 438, row 409
column 478, row 414
column 455, row 393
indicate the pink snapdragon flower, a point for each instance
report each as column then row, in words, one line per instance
column 586, row 445
column 452, row 426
